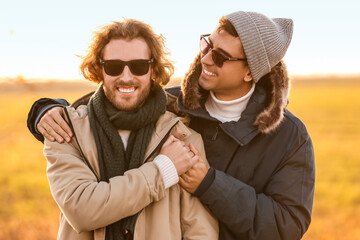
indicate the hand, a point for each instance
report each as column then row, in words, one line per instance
column 181, row 156
column 191, row 179
column 54, row 125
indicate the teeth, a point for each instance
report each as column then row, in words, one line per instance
column 126, row 90
column 209, row 73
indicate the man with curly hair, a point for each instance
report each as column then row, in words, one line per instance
column 118, row 177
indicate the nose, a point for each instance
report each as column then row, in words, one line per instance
column 207, row 58
column 126, row 74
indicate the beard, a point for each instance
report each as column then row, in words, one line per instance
column 124, row 101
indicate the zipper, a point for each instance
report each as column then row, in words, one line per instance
column 77, row 141
column 215, row 134
column 163, row 140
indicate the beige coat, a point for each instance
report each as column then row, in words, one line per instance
column 88, row 206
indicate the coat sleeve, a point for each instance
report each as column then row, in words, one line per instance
column 197, row 220
column 87, row 204
column 281, row 211
column 38, row 109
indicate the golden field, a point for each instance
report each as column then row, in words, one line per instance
column 328, row 105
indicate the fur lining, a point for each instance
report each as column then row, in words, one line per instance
column 277, row 83
column 190, row 85
column 273, row 114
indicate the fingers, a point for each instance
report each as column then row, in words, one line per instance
column 188, row 154
column 182, row 182
column 63, row 121
column 170, row 140
column 194, row 159
column 60, row 128
column 182, row 156
column 55, row 132
column 186, row 177
column 196, row 152
column 193, row 149
column 53, row 126
column 43, row 132
column 187, row 184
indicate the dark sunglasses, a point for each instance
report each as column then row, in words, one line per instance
column 217, row 57
column 115, row 67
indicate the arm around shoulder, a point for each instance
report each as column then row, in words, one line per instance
column 38, row 109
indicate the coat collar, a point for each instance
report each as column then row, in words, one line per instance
column 242, row 131
column 276, row 85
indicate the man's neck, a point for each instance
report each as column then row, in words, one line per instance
column 236, row 93
column 227, row 111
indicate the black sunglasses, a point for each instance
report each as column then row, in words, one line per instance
column 217, row 57
column 115, row 67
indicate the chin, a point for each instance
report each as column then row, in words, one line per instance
column 204, row 83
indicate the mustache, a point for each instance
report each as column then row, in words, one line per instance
column 121, row 83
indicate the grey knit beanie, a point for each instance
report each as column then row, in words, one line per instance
column 265, row 40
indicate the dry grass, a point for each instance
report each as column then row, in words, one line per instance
column 329, row 108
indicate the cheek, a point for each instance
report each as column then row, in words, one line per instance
column 108, row 84
column 145, row 80
column 231, row 76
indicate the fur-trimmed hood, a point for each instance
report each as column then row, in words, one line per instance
column 276, row 83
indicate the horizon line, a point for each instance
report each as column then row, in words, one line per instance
column 41, row 79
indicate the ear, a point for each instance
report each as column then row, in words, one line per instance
column 248, row 77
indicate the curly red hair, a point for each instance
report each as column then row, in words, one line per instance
column 129, row 29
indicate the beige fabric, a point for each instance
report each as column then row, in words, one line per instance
column 88, row 206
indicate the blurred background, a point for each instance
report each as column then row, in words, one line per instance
column 39, row 44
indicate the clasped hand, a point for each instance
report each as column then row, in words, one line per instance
column 188, row 162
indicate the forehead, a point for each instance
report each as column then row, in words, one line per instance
column 125, row 49
column 225, row 41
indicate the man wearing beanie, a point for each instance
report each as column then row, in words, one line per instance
column 261, row 181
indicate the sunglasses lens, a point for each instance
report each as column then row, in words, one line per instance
column 116, row 67
column 139, row 67
column 204, row 46
column 113, row 67
column 217, row 58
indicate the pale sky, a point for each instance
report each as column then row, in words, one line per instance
column 41, row 38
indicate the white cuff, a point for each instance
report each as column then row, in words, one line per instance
column 167, row 170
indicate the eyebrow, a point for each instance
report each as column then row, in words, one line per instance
column 220, row 49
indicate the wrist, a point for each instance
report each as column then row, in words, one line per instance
column 167, row 170
column 206, row 182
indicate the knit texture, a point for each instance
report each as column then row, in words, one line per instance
column 265, row 40
column 105, row 120
column 167, row 170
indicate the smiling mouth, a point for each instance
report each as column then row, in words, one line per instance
column 208, row 73
column 126, row 89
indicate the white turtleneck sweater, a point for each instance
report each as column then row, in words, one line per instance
column 227, row 111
